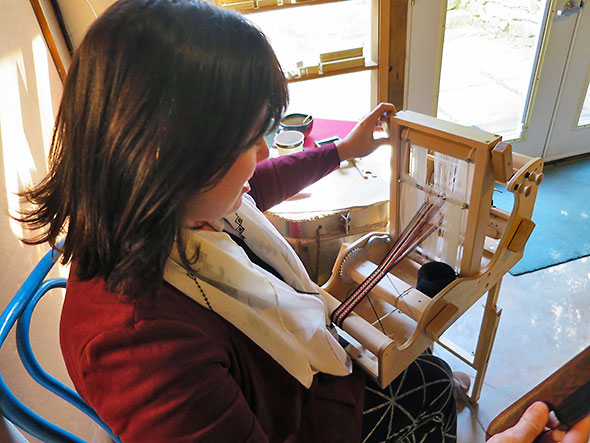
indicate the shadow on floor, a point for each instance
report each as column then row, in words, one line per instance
column 545, row 322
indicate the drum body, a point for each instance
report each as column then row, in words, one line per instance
column 339, row 208
column 317, row 238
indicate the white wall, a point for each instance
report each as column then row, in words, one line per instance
column 30, row 90
column 78, row 14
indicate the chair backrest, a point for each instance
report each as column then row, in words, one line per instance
column 19, row 311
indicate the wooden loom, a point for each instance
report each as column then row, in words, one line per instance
column 434, row 157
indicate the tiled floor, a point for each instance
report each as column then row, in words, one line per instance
column 545, row 321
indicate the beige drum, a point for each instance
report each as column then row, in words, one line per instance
column 339, row 208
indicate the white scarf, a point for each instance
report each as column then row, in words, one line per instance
column 287, row 319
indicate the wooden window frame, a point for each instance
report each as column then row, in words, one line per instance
column 389, row 24
column 52, row 27
column 389, row 19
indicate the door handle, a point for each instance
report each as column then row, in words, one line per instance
column 570, row 9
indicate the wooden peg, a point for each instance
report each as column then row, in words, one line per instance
column 536, row 177
column 502, row 161
column 527, row 190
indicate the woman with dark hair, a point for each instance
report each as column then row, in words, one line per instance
column 187, row 316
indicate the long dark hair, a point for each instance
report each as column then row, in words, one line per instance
column 161, row 98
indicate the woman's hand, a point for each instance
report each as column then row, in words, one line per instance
column 533, row 422
column 360, row 142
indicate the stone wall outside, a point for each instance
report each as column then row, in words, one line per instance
column 517, row 19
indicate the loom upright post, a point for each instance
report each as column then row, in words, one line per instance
column 485, row 342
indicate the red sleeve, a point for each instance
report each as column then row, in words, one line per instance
column 279, row 178
column 188, row 396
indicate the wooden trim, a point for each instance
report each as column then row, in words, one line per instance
column 49, row 40
column 383, row 31
column 285, row 6
column 368, row 67
column 398, row 25
column 62, row 26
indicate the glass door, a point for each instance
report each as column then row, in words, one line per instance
column 570, row 129
column 517, row 68
column 490, row 51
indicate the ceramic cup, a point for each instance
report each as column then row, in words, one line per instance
column 297, row 122
column 288, row 142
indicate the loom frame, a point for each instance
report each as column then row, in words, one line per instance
column 419, row 321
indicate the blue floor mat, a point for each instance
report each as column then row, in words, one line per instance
column 561, row 215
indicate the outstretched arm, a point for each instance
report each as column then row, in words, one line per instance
column 279, row 178
column 360, row 142
column 276, row 179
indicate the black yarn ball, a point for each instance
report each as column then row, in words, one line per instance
column 433, row 277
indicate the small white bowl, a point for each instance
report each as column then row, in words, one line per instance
column 288, row 142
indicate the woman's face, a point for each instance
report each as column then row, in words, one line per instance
column 226, row 196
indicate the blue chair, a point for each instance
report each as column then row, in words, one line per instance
column 20, row 310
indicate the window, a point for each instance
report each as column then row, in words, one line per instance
column 345, row 85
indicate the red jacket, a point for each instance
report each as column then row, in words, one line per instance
column 165, row 369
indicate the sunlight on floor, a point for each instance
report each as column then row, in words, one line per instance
column 544, row 324
column 488, row 57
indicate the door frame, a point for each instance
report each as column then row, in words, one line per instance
column 426, row 30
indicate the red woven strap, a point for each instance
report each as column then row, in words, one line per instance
column 423, row 223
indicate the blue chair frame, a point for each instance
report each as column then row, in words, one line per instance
column 20, row 310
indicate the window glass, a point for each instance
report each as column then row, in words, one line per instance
column 585, row 115
column 489, row 54
column 339, row 97
column 302, row 33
